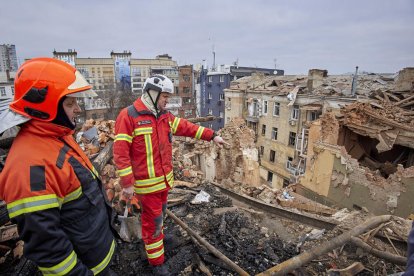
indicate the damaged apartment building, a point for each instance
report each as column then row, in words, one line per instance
column 345, row 140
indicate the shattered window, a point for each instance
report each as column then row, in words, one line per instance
column 263, row 130
column 292, row 138
column 274, row 133
column 264, row 107
column 269, row 177
column 313, row 115
column 272, row 156
column 289, row 165
column 295, row 112
column 276, row 109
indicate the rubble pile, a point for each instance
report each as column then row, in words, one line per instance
column 364, row 113
column 248, row 238
column 226, row 228
column 186, row 162
column 94, row 136
column 237, row 164
column 318, row 82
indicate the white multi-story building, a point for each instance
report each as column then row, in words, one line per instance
column 8, row 58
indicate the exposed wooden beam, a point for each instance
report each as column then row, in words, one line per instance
column 405, row 100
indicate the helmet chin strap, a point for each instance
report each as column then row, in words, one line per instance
column 155, row 103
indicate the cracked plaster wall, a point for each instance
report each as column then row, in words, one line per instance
column 333, row 173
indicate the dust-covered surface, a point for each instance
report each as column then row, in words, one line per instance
column 250, row 239
column 231, row 232
column 254, row 240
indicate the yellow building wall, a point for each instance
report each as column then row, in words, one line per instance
column 319, row 164
column 233, row 102
column 319, row 172
column 281, row 145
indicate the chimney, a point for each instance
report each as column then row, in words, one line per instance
column 405, row 79
column 315, row 78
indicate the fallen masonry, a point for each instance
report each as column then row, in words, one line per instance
column 254, row 239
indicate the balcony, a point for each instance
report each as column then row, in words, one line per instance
column 253, row 115
column 253, row 119
column 297, row 169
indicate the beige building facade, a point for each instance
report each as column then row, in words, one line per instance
column 115, row 78
column 345, row 140
column 280, row 109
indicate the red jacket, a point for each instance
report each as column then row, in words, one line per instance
column 54, row 194
column 143, row 149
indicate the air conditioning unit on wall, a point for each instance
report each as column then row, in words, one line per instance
column 292, row 122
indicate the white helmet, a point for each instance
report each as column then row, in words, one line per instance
column 159, row 83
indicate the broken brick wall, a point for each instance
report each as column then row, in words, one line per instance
column 354, row 186
column 332, row 171
column 234, row 164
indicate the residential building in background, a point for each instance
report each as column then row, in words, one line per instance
column 212, row 85
column 280, row 109
column 118, row 79
column 141, row 69
column 8, row 58
column 8, row 69
column 186, row 92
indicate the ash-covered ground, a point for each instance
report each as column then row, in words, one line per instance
column 231, row 232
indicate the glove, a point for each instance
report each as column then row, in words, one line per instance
column 128, row 192
column 220, row 142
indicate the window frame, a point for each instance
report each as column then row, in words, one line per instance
column 274, row 131
column 263, row 129
column 269, row 177
column 278, row 109
column 292, row 138
column 265, row 107
column 295, row 113
column 272, row 156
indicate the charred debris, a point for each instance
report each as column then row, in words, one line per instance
column 268, row 231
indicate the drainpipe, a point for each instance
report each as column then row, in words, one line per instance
column 354, row 82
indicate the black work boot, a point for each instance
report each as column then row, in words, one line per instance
column 160, row 270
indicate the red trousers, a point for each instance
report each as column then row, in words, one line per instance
column 153, row 207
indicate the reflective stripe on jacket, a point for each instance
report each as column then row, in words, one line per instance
column 143, row 149
column 55, row 196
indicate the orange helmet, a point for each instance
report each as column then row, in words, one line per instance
column 41, row 82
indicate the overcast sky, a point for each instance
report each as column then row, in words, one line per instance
column 376, row 35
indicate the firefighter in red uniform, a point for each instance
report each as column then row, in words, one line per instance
column 51, row 188
column 143, row 156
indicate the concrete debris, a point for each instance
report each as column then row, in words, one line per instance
column 201, row 197
column 318, row 82
column 94, row 136
column 197, row 161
